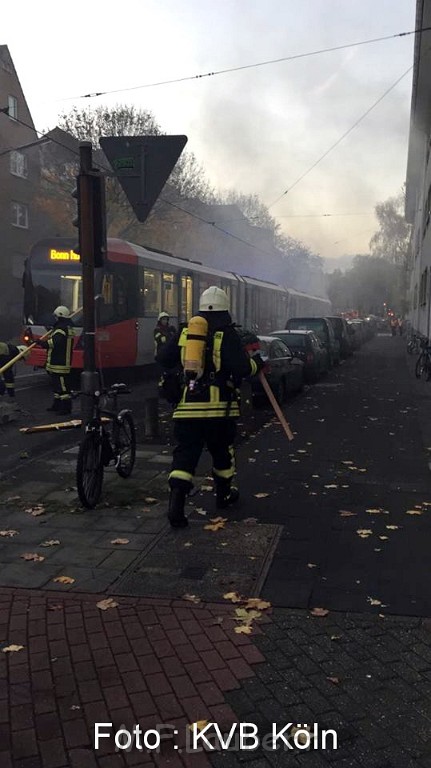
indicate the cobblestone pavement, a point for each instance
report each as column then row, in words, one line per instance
column 152, row 662
column 168, row 661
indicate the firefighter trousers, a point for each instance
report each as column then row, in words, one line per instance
column 7, row 379
column 61, row 385
column 191, row 436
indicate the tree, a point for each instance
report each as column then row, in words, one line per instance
column 391, row 242
column 370, row 283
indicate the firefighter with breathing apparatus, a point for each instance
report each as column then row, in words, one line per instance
column 59, row 360
column 7, row 379
column 213, row 362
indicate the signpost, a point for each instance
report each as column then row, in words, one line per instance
column 142, row 165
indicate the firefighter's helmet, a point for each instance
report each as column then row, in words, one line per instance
column 214, row 299
column 61, row 312
column 163, row 314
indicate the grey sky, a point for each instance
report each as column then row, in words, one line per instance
column 255, row 130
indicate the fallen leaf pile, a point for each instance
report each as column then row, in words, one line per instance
column 12, row 648
column 50, row 543
column 9, row 533
column 32, row 556
column 364, row 533
column 251, row 610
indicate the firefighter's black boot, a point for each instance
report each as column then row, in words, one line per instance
column 177, row 500
column 55, row 405
column 65, row 407
column 225, row 495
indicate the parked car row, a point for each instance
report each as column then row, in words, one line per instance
column 306, row 349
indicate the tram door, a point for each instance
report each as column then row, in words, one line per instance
column 186, row 299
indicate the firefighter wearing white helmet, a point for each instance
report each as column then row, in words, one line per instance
column 59, row 359
column 213, row 361
column 162, row 332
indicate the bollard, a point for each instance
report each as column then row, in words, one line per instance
column 151, row 417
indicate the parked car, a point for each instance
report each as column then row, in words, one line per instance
column 308, row 347
column 341, row 330
column 323, row 329
column 356, row 329
column 284, row 372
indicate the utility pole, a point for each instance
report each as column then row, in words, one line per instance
column 87, row 215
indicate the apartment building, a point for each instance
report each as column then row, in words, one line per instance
column 418, row 180
column 19, row 181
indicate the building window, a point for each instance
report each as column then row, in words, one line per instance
column 18, row 164
column 20, row 215
column 12, row 107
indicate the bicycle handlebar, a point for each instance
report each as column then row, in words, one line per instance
column 116, row 389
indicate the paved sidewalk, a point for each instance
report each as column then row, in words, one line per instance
column 168, row 653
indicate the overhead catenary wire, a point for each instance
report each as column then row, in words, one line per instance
column 341, row 138
column 243, row 67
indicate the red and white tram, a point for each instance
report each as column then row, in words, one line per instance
column 133, row 286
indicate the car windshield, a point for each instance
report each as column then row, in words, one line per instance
column 296, row 340
column 313, row 324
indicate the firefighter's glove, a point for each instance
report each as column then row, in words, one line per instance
column 42, row 344
column 260, row 364
column 249, row 340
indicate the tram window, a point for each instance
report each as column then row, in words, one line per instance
column 169, row 294
column 186, row 299
column 151, row 292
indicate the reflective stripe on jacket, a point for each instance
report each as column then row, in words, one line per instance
column 60, row 348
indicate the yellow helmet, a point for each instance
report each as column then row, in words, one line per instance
column 214, row 299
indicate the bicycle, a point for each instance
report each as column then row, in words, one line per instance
column 414, row 344
column 103, row 445
column 423, row 363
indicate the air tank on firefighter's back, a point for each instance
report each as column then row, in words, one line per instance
column 194, row 356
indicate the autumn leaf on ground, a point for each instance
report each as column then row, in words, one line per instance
column 256, row 602
column 319, row 612
column 218, row 519
column 244, row 614
column 234, row 597
column 374, row 601
column 261, row 495
column 191, row 598
column 12, row 648
column 214, row 527
column 64, row 580
column 346, row 513
column 364, row 533
column 198, row 726
column 335, row 637
column 55, row 607
column 9, row 534
column 11, row 498
column 347, row 462
column 393, row 527
column 150, row 500
column 50, row 543
column 350, row 467
column 414, row 512
column 32, row 556
column 188, row 544
column 311, row 565
column 120, row 541
column 104, row 605
column 301, row 738
column 335, row 680
column 243, row 629
column 376, row 511
column 35, row 511
column 384, row 538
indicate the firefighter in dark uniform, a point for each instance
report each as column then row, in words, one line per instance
column 59, row 360
column 7, row 379
column 208, row 407
column 163, row 332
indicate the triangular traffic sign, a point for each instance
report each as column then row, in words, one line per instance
column 142, row 165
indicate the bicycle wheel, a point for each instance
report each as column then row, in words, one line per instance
column 125, row 444
column 420, row 365
column 89, row 470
